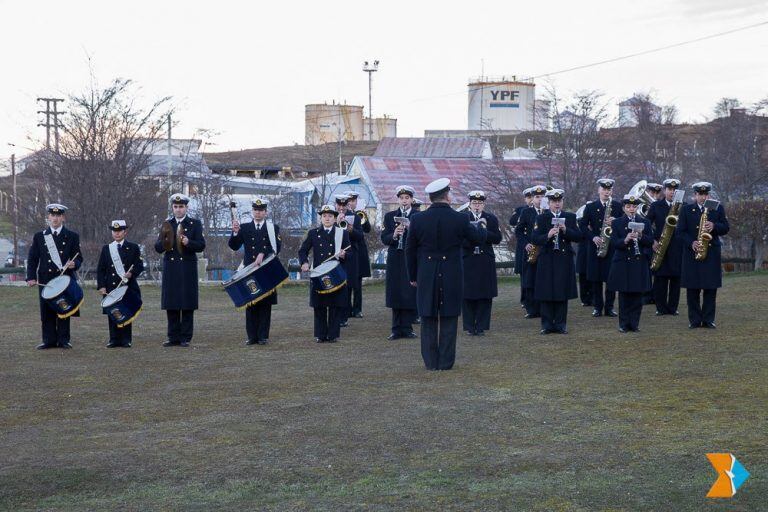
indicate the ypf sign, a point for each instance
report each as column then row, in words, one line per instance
column 505, row 99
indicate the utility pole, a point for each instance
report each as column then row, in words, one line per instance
column 48, row 124
column 15, row 214
column 370, row 69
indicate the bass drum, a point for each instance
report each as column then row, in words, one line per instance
column 251, row 284
column 328, row 277
column 64, row 295
column 122, row 304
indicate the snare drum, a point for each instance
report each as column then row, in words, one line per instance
column 64, row 295
column 122, row 304
column 251, row 284
column 328, row 277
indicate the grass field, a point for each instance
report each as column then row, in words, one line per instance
column 590, row 421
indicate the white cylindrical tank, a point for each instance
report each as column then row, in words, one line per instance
column 325, row 123
column 381, row 126
column 501, row 104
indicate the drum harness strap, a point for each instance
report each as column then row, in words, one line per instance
column 53, row 251
column 116, row 261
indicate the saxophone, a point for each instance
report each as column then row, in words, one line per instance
column 704, row 238
column 670, row 223
column 605, row 233
column 534, row 254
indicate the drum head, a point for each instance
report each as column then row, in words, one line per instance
column 248, row 270
column 324, row 268
column 114, row 296
column 55, row 287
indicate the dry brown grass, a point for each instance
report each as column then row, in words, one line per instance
column 589, row 421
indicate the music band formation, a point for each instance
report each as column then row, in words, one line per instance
column 440, row 264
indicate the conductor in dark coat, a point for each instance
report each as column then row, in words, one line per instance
column 108, row 277
column 701, row 278
column 400, row 295
column 480, row 284
column 519, row 242
column 179, row 296
column 43, row 267
column 666, row 279
column 630, row 273
column 363, row 258
column 523, row 231
column 324, row 244
column 555, row 270
column 598, row 268
column 433, row 256
column 255, row 239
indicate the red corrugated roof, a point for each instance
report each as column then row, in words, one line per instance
column 438, row 147
column 386, row 174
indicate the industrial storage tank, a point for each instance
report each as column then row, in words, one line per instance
column 381, row 127
column 325, row 123
column 502, row 103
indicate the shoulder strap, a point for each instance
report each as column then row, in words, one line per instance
column 271, row 235
column 53, row 251
column 116, row 261
column 339, row 238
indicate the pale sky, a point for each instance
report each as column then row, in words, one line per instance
column 246, row 69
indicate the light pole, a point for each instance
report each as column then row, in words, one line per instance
column 370, row 69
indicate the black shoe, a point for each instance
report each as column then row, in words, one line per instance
column 469, row 333
column 251, row 342
column 262, row 342
column 358, row 315
column 113, row 344
column 563, row 331
column 586, row 305
column 127, row 344
column 694, row 326
column 393, row 337
column 344, row 324
column 479, row 333
column 611, row 313
column 411, row 335
column 66, row 344
column 709, row 325
column 596, row 313
column 622, row 330
column 659, row 313
column 319, row 340
column 183, row 343
column 332, row 340
column 676, row 313
column 545, row 331
column 169, row 343
column 531, row 315
column 44, row 346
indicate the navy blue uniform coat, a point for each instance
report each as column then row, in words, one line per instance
column 523, row 231
column 630, row 272
column 433, row 256
column 707, row 274
column 254, row 242
column 179, row 289
column 106, row 275
column 555, row 270
column 591, row 224
column 480, row 269
column 39, row 264
column 321, row 244
column 399, row 292
column 519, row 243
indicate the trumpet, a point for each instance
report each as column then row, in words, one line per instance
column 342, row 224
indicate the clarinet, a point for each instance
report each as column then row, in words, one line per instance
column 637, row 247
column 400, row 242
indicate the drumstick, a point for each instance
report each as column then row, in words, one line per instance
column 329, row 259
column 124, row 280
column 68, row 262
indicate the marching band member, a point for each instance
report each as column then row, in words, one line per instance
column 480, row 285
column 519, row 241
column 666, row 279
column 53, row 250
column 555, row 269
column 179, row 297
column 701, row 276
column 260, row 238
column 630, row 272
column 654, row 191
column 523, row 231
column 119, row 263
column 400, row 295
column 350, row 262
column 363, row 258
column 416, row 204
column 597, row 213
column 325, row 242
column 433, row 258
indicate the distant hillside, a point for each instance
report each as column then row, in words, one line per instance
column 299, row 158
